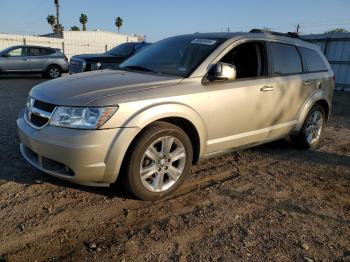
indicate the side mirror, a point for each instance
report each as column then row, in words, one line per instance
column 222, row 71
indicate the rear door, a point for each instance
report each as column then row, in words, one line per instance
column 17, row 60
column 292, row 87
column 39, row 58
column 315, row 69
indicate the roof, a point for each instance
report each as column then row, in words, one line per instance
column 34, row 46
column 268, row 35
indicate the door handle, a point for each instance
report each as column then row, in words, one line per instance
column 267, row 88
column 307, row 83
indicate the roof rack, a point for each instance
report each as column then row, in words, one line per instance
column 289, row 34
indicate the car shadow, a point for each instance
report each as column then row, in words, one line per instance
column 23, row 173
column 283, row 150
column 24, row 76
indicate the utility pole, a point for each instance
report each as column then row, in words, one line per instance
column 57, row 13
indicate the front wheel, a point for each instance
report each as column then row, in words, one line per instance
column 312, row 129
column 158, row 161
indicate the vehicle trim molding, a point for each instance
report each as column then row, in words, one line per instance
column 251, row 133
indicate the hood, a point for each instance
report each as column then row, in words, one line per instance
column 80, row 89
column 94, row 57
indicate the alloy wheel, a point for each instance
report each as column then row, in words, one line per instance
column 54, row 72
column 162, row 164
column 314, row 127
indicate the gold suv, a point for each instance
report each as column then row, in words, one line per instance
column 173, row 103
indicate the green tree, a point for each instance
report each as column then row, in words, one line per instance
column 51, row 20
column 337, row 30
column 118, row 22
column 75, row 28
column 83, row 19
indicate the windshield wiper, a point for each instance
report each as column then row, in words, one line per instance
column 139, row 68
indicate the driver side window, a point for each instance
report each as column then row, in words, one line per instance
column 17, row 52
column 249, row 59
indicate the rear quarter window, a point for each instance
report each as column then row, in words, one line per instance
column 41, row 51
column 286, row 59
column 45, row 51
column 312, row 60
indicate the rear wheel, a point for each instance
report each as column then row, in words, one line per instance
column 312, row 129
column 158, row 161
column 53, row 72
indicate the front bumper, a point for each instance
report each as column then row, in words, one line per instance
column 80, row 156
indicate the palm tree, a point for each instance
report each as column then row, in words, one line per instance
column 118, row 22
column 83, row 19
column 51, row 19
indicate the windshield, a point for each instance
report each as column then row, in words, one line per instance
column 122, row 50
column 4, row 51
column 178, row 56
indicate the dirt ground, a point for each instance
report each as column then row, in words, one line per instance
column 272, row 202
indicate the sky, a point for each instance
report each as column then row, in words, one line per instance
column 158, row 19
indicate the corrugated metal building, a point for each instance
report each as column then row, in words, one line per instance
column 336, row 47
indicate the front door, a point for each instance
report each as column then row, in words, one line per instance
column 17, row 60
column 243, row 111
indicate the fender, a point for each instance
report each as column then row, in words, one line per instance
column 136, row 122
column 318, row 94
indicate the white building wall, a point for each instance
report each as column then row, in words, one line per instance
column 73, row 42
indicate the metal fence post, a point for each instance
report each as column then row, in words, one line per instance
column 63, row 51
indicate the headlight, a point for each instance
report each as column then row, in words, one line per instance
column 81, row 117
column 96, row 66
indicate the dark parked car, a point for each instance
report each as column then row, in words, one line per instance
column 110, row 59
column 49, row 62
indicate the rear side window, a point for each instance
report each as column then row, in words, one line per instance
column 286, row 59
column 312, row 60
column 45, row 51
column 40, row 51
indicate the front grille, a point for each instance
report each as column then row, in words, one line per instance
column 76, row 66
column 31, row 154
column 38, row 113
column 38, row 120
column 46, row 163
column 44, row 106
column 55, row 166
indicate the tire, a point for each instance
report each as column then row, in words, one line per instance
column 163, row 168
column 53, row 72
column 315, row 120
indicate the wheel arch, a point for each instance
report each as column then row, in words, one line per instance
column 53, row 64
column 325, row 106
column 316, row 98
column 178, row 114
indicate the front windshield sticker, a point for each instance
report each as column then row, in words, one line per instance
column 203, row 41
